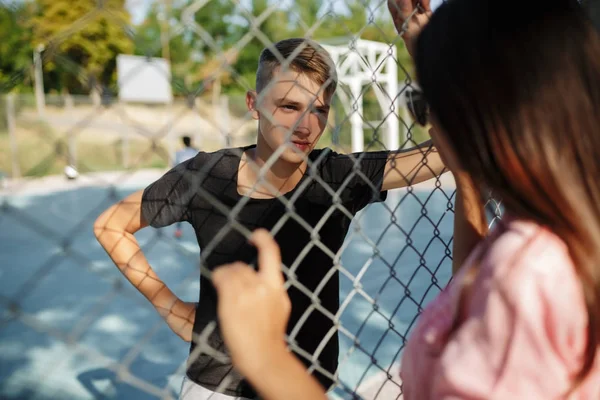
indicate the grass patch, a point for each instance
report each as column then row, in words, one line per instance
column 41, row 152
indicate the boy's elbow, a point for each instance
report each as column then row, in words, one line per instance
column 123, row 217
column 111, row 220
column 101, row 224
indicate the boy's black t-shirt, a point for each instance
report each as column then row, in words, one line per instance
column 203, row 191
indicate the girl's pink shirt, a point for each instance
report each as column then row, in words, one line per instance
column 524, row 328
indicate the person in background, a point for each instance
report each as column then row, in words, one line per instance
column 513, row 90
column 188, row 152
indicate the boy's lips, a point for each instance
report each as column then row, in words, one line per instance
column 301, row 144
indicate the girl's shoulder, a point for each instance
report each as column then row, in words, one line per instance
column 526, row 250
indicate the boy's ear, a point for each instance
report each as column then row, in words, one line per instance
column 252, row 103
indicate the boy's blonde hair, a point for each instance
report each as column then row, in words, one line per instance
column 309, row 58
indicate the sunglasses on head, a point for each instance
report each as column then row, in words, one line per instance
column 417, row 106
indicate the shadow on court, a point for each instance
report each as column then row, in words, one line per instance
column 69, row 318
column 71, row 327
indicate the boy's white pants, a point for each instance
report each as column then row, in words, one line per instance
column 192, row 391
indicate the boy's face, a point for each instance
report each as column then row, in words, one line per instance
column 292, row 111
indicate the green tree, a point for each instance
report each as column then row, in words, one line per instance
column 195, row 58
column 148, row 34
column 15, row 46
column 82, row 40
column 273, row 28
column 217, row 53
column 308, row 15
column 217, row 18
column 179, row 48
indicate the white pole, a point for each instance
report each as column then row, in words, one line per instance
column 393, row 122
column 125, row 144
column 12, row 134
column 358, row 139
column 72, row 150
column 171, row 138
column 125, row 148
column 408, row 122
column 72, row 138
column 225, row 120
column 39, row 80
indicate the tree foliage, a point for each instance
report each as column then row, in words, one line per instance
column 272, row 29
column 321, row 21
column 15, row 46
column 193, row 57
column 82, row 40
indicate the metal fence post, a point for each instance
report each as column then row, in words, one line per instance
column 224, row 121
column 125, row 145
column 12, row 135
column 39, row 80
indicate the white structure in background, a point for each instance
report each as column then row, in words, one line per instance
column 145, row 80
column 363, row 62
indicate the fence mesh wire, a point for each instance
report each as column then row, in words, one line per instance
column 71, row 321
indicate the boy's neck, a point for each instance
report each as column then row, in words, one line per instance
column 282, row 176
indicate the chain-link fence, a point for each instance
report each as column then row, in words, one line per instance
column 84, row 129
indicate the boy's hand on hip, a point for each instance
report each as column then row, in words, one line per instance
column 180, row 318
column 254, row 307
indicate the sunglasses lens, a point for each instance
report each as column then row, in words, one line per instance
column 417, row 106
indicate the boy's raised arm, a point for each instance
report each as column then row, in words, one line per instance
column 409, row 167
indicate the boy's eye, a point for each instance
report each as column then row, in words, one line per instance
column 289, row 107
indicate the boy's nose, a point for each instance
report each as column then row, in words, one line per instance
column 302, row 131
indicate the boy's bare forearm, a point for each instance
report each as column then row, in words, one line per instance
column 115, row 230
column 124, row 250
column 412, row 166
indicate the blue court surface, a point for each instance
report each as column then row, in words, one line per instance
column 71, row 326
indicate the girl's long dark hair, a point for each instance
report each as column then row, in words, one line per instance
column 515, row 87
